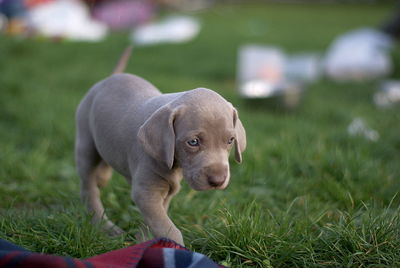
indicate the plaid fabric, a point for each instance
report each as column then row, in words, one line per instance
column 161, row 253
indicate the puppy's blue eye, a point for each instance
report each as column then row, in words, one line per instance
column 194, row 142
column 231, row 140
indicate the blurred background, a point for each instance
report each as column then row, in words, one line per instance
column 317, row 87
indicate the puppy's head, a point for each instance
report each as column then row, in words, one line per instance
column 196, row 132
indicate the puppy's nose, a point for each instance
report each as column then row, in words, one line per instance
column 216, row 181
column 217, row 174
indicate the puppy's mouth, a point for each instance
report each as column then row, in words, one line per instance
column 196, row 184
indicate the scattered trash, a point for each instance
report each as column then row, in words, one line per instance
column 192, row 5
column 175, row 29
column 12, row 13
column 66, row 19
column 265, row 72
column 260, row 63
column 361, row 54
column 358, row 127
column 123, row 14
column 13, row 8
column 3, row 23
column 303, row 67
column 388, row 94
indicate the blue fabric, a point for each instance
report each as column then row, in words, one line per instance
column 182, row 258
column 7, row 246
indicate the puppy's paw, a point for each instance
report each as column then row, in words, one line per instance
column 112, row 230
column 115, row 231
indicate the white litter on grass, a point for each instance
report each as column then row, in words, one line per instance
column 303, row 67
column 388, row 95
column 265, row 71
column 3, row 22
column 260, row 71
column 358, row 127
column 66, row 18
column 175, row 29
column 261, row 63
column 360, row 54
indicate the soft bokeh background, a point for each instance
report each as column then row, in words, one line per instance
column 307, row 192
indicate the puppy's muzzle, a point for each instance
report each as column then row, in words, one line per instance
column 216, row 175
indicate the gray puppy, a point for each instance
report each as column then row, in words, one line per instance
column 153, row 140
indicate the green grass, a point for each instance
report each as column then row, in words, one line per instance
column 306, row 195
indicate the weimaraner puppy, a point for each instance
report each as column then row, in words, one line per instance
column 153, row 140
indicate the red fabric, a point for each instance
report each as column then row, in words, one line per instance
column 6, row 259
column 152, row 257
column 164, row 243
column 122, row 257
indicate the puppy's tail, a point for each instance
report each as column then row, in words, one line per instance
column 123, row 61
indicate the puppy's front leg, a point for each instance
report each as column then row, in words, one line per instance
column 173, row 190
column 149, row 196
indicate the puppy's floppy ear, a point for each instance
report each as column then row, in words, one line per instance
column 240, row 139
column 157, row 134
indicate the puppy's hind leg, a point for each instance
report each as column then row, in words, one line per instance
column 94, row 174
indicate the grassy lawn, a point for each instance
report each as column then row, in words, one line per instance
column 306, row 195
